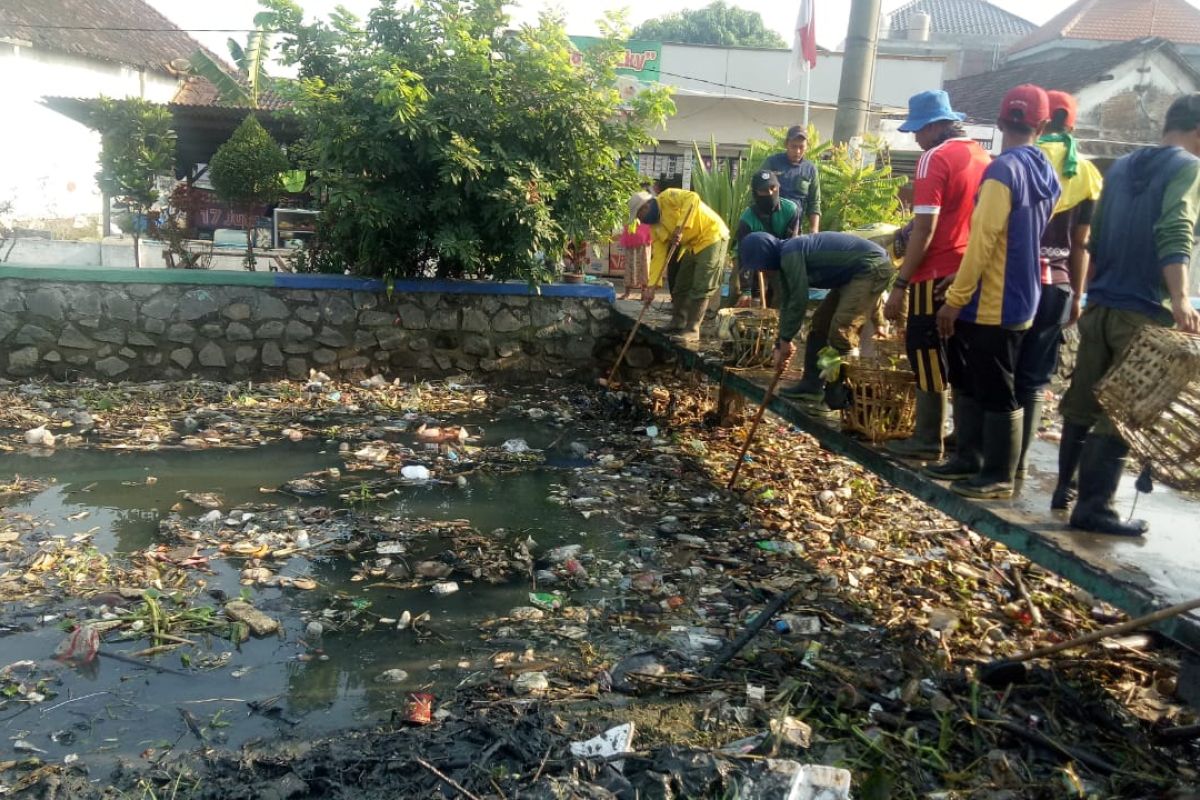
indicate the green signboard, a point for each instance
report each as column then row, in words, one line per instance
column 641, row 59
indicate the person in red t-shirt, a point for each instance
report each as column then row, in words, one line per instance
column 947, row 178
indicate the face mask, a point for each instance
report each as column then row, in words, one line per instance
column 766, row 204
column 652, row 214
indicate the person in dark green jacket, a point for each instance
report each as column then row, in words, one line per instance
column 854, row 270
column 1143, row 234
column 771, row 214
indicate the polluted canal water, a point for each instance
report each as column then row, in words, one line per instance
column 344, row 655
column 346, row 590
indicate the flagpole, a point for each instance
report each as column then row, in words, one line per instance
column 807, row 93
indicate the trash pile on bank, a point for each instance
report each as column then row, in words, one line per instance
column 878, row 664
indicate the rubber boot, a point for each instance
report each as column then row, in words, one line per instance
column 1001, row 449
column 1101, row 464
column 926, row 442
column 677, row 321
column 1070, row 449
column 693, row 316
column 968, row 455
column 811, row 386
column 1029, row 429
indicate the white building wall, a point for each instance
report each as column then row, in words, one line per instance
column 1146, row 84
column 48, row 162
column 762, row 74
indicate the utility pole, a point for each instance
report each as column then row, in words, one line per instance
column 858, row 70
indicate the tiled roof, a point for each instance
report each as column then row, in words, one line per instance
column 121, row 31
column 198, row 91
column 963, row 17
column 979, row 96
column 1119, row 21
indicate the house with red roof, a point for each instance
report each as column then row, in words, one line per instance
column 1093, row 24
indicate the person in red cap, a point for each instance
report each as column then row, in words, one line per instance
column 993, row 299
column 1064, row 268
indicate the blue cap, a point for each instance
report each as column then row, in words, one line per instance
column 928, row 107
column 759, row 250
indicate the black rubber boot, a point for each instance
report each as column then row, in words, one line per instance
column 1101, row 464
column 968, row 451
column 1001, row 448
column 1029, row 429
column 1070, row 448
column 811, row 386
column 926, row 442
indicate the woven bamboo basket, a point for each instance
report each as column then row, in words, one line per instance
column 1152, row 395
column 883, row 399
column 747, row 335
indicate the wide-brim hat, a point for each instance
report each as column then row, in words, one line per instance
column 636, row 202
column 929, row 107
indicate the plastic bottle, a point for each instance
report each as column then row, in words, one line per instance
column 795, row 625
column 773, row 546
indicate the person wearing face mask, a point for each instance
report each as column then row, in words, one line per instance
column 798, row 177
column 768, row 213
column 679, row 217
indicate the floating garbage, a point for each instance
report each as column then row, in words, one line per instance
column 531, row 683
column 392, row 676
column 515, row 446
column 40, row 437
column 613, row 741
column 818, row 782
column 415, row 472
column 442, row 589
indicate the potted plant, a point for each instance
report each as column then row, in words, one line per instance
column 575, row 256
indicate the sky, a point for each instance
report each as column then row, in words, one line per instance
column 832, row 15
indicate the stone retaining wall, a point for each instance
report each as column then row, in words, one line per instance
column 150, row 330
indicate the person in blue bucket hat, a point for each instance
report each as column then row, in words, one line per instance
column 925, row 108
column 947, row 177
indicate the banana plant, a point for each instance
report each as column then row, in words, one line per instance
column 245, row 88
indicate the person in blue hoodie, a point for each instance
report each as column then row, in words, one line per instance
column 993, row 300
column 1143, row 233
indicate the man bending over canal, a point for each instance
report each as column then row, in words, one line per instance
column 853, row 269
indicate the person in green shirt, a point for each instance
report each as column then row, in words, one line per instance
column 768, row 213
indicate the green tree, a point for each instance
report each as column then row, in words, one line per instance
column 448, row 144
column 137, row 147
column 716, row 23
column 247, row 172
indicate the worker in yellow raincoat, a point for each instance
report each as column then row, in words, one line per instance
column 679, row 216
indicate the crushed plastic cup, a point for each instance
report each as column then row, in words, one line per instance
column 445, row 588
column 819, row 782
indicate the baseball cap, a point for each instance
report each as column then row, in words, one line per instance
column 796, row 132
column 763, row 180
column 1063, row 101
column 1025, row 105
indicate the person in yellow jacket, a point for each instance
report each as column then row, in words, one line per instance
column 679, row 216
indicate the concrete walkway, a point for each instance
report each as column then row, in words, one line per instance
column 1136, row 575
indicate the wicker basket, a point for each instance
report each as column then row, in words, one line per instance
column 1152, row 395
column 883, row 400
column 747, row 335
